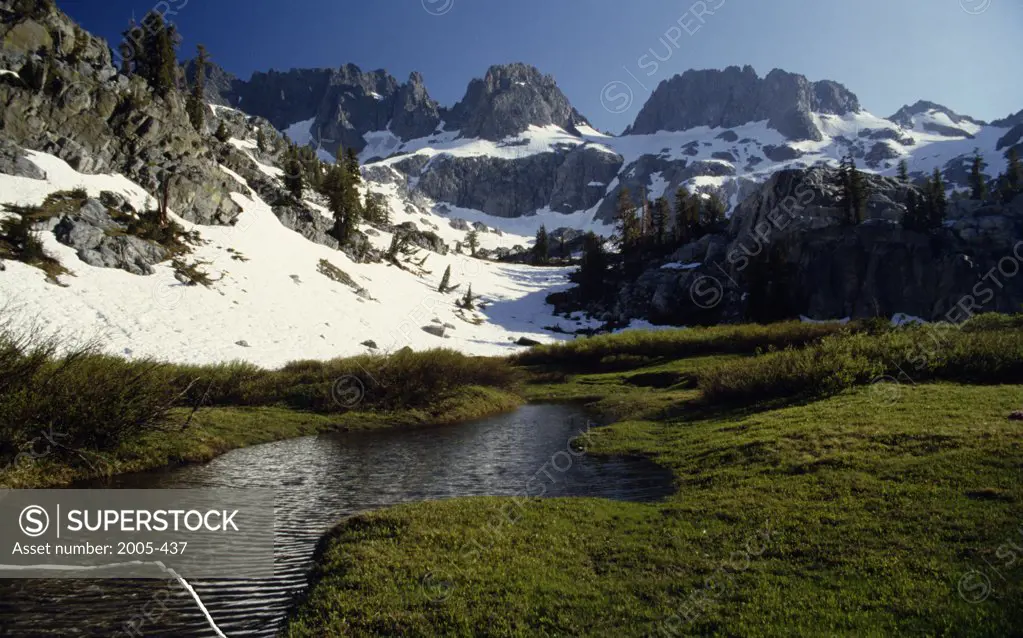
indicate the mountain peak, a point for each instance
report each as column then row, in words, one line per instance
column 509, row 99
column 735, row 96
column 904, row 116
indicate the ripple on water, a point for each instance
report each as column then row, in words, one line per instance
column 317, row 481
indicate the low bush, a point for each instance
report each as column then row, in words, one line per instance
column 646, row 346
column 75, row 398
column 406, row 380
column 989, row 351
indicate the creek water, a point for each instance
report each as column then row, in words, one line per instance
column 318, row 481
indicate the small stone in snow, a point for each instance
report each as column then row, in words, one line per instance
column 242, row 343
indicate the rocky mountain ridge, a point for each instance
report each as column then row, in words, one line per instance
column 734, row 96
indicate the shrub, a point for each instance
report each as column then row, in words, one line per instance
column 648, row 346
column 76, row 398
column 911, row 354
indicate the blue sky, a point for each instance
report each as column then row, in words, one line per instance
column 961, row 53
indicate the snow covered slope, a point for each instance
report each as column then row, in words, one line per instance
column 727, row 162
column 269, row 303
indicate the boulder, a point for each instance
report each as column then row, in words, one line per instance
column 437, row 331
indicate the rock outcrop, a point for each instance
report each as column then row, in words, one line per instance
column 737, row 96
column 566, row 180
column 73, row 103
column 507, row 101
column 788, row 252
column 101, row 241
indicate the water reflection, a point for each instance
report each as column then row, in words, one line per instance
column 319, row 480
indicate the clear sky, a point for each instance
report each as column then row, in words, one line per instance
column 964, row 54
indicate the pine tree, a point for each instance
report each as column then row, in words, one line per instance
column 445, row 281
column 152, row 52
column 646, row 222
column 1012, row 181
column 937, row 205
column 541, row 249
column 375, row 212
column 660, row 219
column 352, row 165
column 712, row 213
column 343, row 201
column 978, row 184
column 627, row 232
column 911, row 220
column 472, row 240
column 853, row 191
column 903, row 172
column 196, row 106
column 293, row 174
column 687, row 216
column 593, row 267
column 466, row 302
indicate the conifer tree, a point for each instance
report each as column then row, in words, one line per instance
column 937, row 205
column 445, row 281
column 903, row 172
column 978, row 184
column 472, row 240
column 687, row 216
column 593, row 267
column 541, row 249
column 911, row 220
column 293, row 173
column 352, row 165
column 1012, row 181
column 466, row 302
column 853, row 191
column 150, row 51
column 343, row 202
column 375, row 212
column 627, row 232
column 646, row 222
column 261, row 141
column 660, row 219
column 712, row 213
column 196, row 105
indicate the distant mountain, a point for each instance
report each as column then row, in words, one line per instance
column 734, row 96
column 935, row 118
column 343, row 105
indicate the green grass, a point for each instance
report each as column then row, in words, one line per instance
column 992, row 354
column 859, row 512
column 640, row 348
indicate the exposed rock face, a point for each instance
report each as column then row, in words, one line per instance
column 1009, row 122
column 13, row 161
column 737, row 96
column 95, row 235
column 508, row 100
column 638, row 177
column 73, row 104
column 1012, row 138
column 904, row 118
column 347, row 103
column 344, row 103
column 220, row 85
column 788, row 253
column 566, row 180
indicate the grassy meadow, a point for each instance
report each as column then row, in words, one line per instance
column 831, row 481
